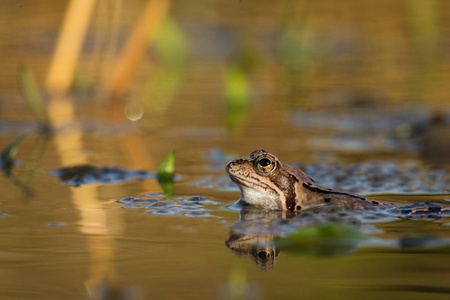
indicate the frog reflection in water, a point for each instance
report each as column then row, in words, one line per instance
column 259, row 247
column 256, row 243
column 258, row 230
column 276, row 195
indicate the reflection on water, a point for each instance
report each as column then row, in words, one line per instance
column 166, row 238
column 260, row 248
column 110, row 248
column 252, row 236
column 328, row 231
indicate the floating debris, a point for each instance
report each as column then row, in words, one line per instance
column 194, row 207
column 87, row 174
column 56, row 224
column 381, row 177
column 420, row 242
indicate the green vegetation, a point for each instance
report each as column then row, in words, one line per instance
column 9, row 153
column 237, row 95
column 298, row 57
column 33, row 97
column 172, row 53
column 166, row 173
column 8, row 161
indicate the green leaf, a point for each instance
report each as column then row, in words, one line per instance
column 167, row 168
column 167, row 187
column 166, row 173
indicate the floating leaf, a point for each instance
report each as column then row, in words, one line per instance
column 87, row 174
column 331, row 239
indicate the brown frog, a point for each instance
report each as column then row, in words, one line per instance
column 266, row 182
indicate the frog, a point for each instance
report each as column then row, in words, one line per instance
column 265, row 182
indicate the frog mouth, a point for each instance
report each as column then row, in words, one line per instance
column 252, row 184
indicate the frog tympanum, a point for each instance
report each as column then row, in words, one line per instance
column 266, row 182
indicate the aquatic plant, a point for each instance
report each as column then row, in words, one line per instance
column 33, row 97
column 166, row 173
column 172, row 51
column 8, row 161
column 9, row 153
column 237, row 96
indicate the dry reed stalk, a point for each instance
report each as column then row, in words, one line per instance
column 69, row 44
column 153, row 14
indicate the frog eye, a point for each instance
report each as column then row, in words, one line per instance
column 265, row 258
column 264, row 255
column 265, row 165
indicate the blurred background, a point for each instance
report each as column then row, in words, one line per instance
column 236, row 74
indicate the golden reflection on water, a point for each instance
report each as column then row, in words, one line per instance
column 95, row 221
column 98, row 224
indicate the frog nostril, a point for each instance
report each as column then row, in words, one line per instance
column 234, row 164
column 238, row 161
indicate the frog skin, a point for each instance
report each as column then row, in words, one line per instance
column 266, row 182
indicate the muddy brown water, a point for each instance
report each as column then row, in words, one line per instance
column 359, row 119
column 75, row 242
